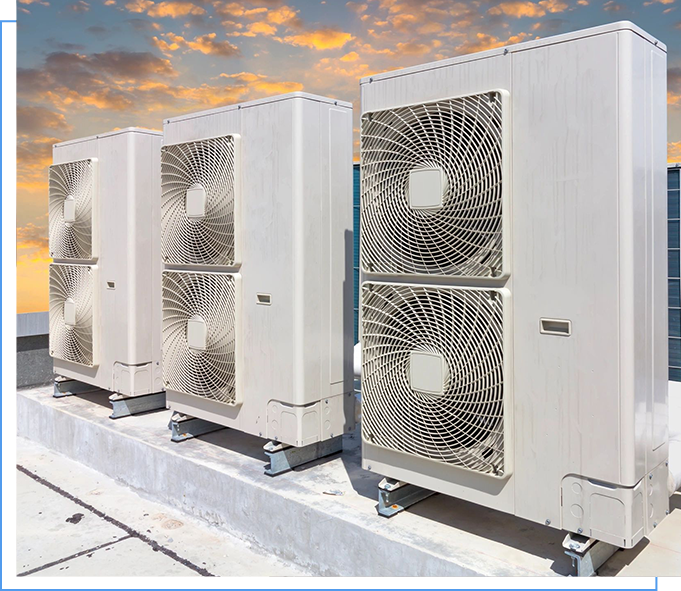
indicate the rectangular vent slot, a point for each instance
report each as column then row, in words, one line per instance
column 555, row 326
column 264, row 299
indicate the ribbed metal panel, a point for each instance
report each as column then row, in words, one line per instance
column 674, row 259
column 355, row 251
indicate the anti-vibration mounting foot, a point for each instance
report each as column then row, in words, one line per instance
column 68, row 387
column 394, row 496
column 183, row 427
column 124, row 406
column 587, row 554
column 286, row 457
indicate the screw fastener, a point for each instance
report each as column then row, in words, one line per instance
column 548, row 522
column 580, row 530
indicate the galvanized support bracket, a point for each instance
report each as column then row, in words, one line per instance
column 286, row 457
column 68, row 387
column 124, row 406
column 394, row 496
column 183, row 427
column 587, row 554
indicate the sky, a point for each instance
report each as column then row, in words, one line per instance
column 90, row 66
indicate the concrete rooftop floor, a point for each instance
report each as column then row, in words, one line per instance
column 219, row 479
column 73, row 521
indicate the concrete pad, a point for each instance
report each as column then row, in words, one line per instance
column 219, row 478
column 50, row 527
column 137, row 558
column 195, row 541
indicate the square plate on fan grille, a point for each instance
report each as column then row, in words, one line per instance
column 200, row 202
column 73, row 313
column 73, row 193
column 414, row 336
column 201, row 326
column 433, row 192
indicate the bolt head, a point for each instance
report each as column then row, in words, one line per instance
column 580, row 530
column 548, row 522
column 666, row 512
column 655, row 524
column 650, row 476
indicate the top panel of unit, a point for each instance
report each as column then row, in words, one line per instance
column 109, row 134
column 263, row 101
column 601, row 30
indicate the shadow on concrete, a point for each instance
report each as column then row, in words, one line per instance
column 236, row 441
column 622, row 559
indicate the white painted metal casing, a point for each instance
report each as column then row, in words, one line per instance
column 294, row 244
column 586, row 229
column 127, row 268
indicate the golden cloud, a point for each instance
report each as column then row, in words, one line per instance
column 674, row 152
column 321, row 39
column 206, row 44
column 483, row 42
column 170, row 8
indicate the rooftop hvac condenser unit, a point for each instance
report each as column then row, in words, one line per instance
column 104, row 237
column 513, row 304
column 257, row 282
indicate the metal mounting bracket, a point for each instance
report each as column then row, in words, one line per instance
column 183, row 427
column 124, row 406
column 286, row 457
column 394, row 496
column 587, row 554
column 68, row 387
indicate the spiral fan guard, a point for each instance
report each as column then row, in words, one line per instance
column 72, row 342
column 464, row 424
column 211, row 299
column 75, row 181
column 209, row 238
column 462, row 139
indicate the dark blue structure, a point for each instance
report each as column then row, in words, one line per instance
column 674, row 259
column 355, row 263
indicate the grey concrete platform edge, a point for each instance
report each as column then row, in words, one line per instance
column 297, row 516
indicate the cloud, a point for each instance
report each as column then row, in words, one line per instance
column 100, row 80
column 321, row 39
column 674, row 152
column 171, row 8
column 142, row 24
column 612, row 6
column 34, row 120
column 521, row 8
column 80, row 6
column 33, row 157
column 32, row 236
column 353, row 56
column 483, row 42
column 206, row 44
column 97, row 30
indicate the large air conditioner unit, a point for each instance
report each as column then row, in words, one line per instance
column 513, row 305
column 104, row 284
column 256, row 216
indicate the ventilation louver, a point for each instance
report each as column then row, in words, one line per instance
column 200, row 328
column 199, row 201
column 72, row 313
column 72, row 194
column 433, row 373
column 432, row 188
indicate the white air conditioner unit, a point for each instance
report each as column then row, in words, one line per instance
column 257, row 283
column 514, row 280
column 104, row 236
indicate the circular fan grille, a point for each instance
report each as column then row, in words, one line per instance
column 71, row 237
column 462, row 425
column 72, row 341
column 461, row 139
column 209, row 371
column 206, row 238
